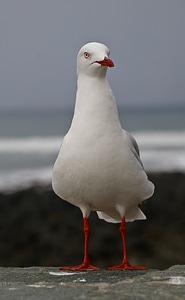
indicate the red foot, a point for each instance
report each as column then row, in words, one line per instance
column 127, row 266
column 86, row 265
column 82, row 267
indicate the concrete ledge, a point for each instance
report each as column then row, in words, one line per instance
column 50, row 283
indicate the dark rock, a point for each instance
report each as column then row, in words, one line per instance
column 37, row 228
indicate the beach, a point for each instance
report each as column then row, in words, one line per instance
column 39, row 229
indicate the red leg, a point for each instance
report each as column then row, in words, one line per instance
column 86, row 265
column 125, row 265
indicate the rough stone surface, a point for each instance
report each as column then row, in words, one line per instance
column 50, row 283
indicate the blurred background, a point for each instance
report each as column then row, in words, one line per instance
column 39, row 43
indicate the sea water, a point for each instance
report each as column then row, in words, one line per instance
column 30, row 142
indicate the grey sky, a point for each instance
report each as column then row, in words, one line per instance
column 39, row 41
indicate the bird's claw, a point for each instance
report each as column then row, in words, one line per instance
column 85, row 266
column 127, row 266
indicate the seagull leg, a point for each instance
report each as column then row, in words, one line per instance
column 125, row 265
column 86, row 265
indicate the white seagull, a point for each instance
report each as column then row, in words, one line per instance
column 98, row 167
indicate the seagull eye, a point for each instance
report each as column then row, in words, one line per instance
column 86, row 54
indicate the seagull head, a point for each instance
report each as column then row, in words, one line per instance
column 93, row 59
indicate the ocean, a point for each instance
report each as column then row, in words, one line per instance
column 30, row 141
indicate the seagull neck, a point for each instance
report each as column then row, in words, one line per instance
column 84, row 79
column 93, row 93
column 95, row 102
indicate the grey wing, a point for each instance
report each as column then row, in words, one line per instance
column 135, row 148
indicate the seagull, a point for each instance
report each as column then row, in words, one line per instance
column 98, row 167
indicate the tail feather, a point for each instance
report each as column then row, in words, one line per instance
column 113, row 216
column 135, row 213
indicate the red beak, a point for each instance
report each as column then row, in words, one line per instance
column 107, row 62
